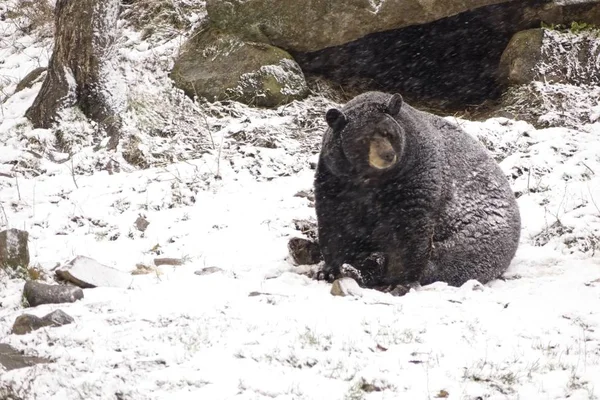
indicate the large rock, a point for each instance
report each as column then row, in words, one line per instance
column 551, row 56
column 14, row 250
column 316, row 24
column 86, row 272
column 552, row 78
column 521, row 57
column 221, row 66
column 38, row 293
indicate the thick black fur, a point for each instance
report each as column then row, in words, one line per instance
column 443, row 212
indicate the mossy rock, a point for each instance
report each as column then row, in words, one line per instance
column 551, row 56
column 521, row 57
column 219, row 66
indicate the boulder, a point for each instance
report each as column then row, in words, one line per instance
column 86, row 272
column 220, row 66
column 38, row 293
column 314, row 25
column 551, row 56
column 14, row 250
column 521, row 57
column 551, row 77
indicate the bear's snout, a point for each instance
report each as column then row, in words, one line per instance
column 381, row 153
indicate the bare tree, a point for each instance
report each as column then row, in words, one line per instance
column 79, row 69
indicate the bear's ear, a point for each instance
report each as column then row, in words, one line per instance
column 394, row 104
column 335, row 118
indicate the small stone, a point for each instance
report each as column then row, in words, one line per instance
column 346, row 287
column 142, row 269
column 208, row 271
column 28, row 323
column 304, row 251
column 168, row 261
column 14, row 250
column 141, row 223
column 11, row 358
column 38, row 293
column 57, row 318
column 86, row 272
column 306, row 194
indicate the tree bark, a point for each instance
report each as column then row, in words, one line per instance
column 80, row 71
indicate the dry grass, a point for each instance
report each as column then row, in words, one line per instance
column 32, row 16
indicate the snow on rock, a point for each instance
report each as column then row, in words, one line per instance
column 86, row 272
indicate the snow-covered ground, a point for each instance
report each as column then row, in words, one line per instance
column 261, row 328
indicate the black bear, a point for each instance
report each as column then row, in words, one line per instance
column 406, row 197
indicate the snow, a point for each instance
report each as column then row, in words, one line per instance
column 261, row 328
column 93, row 273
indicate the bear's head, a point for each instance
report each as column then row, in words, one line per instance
column 364, row 139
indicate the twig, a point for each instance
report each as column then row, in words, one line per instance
column 591, row 170
column 18, row 188
column 73, row 172
column 201, row 112
column 4, row 213
column 218, row 175
column 593, row 200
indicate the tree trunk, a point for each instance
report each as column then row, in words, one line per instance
column 80, row 71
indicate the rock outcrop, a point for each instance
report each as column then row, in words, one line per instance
column 314, row 25
column 259, row 51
